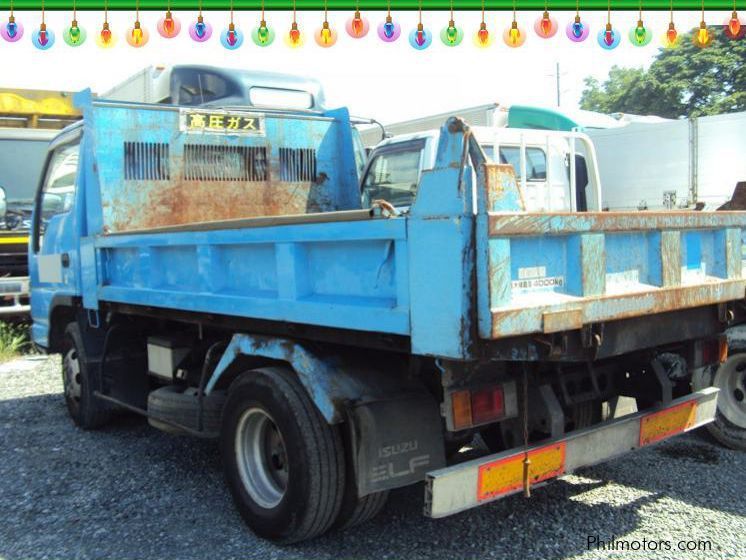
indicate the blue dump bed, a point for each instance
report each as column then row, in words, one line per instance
column 258, row 216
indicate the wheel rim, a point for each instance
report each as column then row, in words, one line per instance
column 261, row 458
column 73, row 381
column 730, row 378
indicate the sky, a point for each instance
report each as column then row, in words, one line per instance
column 386, row 81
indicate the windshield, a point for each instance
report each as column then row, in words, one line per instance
column 20, row 181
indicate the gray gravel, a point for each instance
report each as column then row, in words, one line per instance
column 129, row 491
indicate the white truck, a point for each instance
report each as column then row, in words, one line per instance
column 556, row 170
column 686, row 164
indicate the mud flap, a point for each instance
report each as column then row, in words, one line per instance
column 395, row 442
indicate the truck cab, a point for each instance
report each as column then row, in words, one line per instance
column 556, row 170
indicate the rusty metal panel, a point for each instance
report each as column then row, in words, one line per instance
column 566, row 320
column 733, row 249
column 154, row 173
column 670, row 251
column 565, row 271
column 530, row 223
column 502, row 191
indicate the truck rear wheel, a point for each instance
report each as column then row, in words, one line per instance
column 729, row 427
column 283, row 463
column 81, row 377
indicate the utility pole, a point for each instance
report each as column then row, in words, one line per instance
column 558, row 84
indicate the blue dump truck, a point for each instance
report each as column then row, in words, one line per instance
column 215, row 270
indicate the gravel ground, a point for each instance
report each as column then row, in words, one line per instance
column 129, row 491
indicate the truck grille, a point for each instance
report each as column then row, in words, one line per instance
column 146, row 161
column 297, row 164
column 225, row 163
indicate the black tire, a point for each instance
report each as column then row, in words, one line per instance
column 355, row 510
column 81, row 377
column 723, row 429
column 311, row 458
column 180, row 405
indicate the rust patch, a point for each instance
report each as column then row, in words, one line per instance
column 539, row 223
column 152, row 205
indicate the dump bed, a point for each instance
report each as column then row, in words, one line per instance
column 266, row 225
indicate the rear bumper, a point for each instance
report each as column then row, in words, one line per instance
column 471, row 484
column 14, row 295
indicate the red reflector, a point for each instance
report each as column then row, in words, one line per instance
column 487, row 405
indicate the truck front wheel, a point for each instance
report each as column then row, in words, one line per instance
column 80, row 379
column 283, row 463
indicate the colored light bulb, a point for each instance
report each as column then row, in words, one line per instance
column 263, row 35
column 639, row 35
column 105, row 39
column 231, row 37
column 325, row 36
column 11, row 31
column 671, row 34
column 702, row 38
column 671, row 38
column 200, row 30
column 483, row 38
column 451, row 35
column 43, row 38
column 389, row 31
column 169, row 27
column 357, row 26
column 514, row 36
column 74, row 35
column 734, row 29
column 420, row 38
column 294, row 37
column 608, row 38
column 577, row 31
column 546, row 26
column 734, row 25
column 137, row 36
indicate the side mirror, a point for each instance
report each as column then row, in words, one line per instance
column 3, row 204
column 51, row 204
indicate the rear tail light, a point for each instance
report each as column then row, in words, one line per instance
column 472, row 408
column 715, row 350
column 487, row 405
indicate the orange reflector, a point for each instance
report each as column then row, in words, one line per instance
column 461, row 404
column 665, row 423
column 506, row 475
column 723, row 349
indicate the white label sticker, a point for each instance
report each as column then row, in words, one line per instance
column 532, row 272
column 548, row 282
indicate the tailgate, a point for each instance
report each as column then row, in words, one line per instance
column 552, row 272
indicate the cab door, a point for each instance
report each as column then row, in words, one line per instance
column 53, row 255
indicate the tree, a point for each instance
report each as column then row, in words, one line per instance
column 684, row 81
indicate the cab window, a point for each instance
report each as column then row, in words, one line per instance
column 196, row 87
column 536, row 161
column 58, row 190
column 393, row 176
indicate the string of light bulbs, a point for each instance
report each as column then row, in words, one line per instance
column 357, row 27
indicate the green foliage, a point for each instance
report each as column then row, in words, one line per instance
column 684, row 81
column 14, row 339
